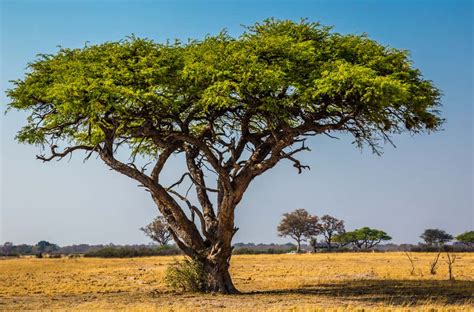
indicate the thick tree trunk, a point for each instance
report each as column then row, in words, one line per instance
column 218, row 277
column 298, row 247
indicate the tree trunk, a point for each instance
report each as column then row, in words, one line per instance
column 298, row 247
column 218, row 277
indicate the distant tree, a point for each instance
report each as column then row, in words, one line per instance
column 299, row 225
column 158, row 230
column 329, row 226
column 435, row 237
column 24, row 249
column 46, row 247
column 368, row 238
column 466, row 238
column 363, row 238
column 7, row 248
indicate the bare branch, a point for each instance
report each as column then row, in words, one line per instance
column 67, row 151
column 161, row 162
column 297, row 164
column 193, row 209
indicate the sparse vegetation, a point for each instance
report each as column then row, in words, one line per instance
column 450, row 259
column 410, row 258
column 269, row 251
column 434, row 264
column 131, row 252
column 307, row 282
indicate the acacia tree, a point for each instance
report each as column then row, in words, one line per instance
column 233, row 107
column 158, row 231
column 466, row 238
column 299, row 225
column 46, row 247
column 367, row 237
column 363, row 238
column 435, row 237
column 329, row 226
column 345, row 238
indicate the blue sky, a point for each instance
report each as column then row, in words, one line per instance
column 426, row 182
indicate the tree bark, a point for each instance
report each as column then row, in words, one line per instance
column 298, row 247
column 215, row 253
column 218, row 276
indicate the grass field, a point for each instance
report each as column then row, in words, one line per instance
column 309, row 282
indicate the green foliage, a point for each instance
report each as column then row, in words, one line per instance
column 466, row 238
column 345, row 238
column 286, row 74
column 186, row 275
column 362, row 238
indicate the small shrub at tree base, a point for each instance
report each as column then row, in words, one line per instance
column 186, row 275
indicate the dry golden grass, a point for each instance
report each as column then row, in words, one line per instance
column 309, row 282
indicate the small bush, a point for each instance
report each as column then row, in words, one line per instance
column 186, row 275
column 39, row 255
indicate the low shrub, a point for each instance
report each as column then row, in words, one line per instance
column 186, row 275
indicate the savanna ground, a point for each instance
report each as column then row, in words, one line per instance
column 308, row 282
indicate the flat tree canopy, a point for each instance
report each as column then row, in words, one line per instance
column 466, row 238
column 234, row 107
column 435, row 237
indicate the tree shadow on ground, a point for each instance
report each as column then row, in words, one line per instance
column 393, row 292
